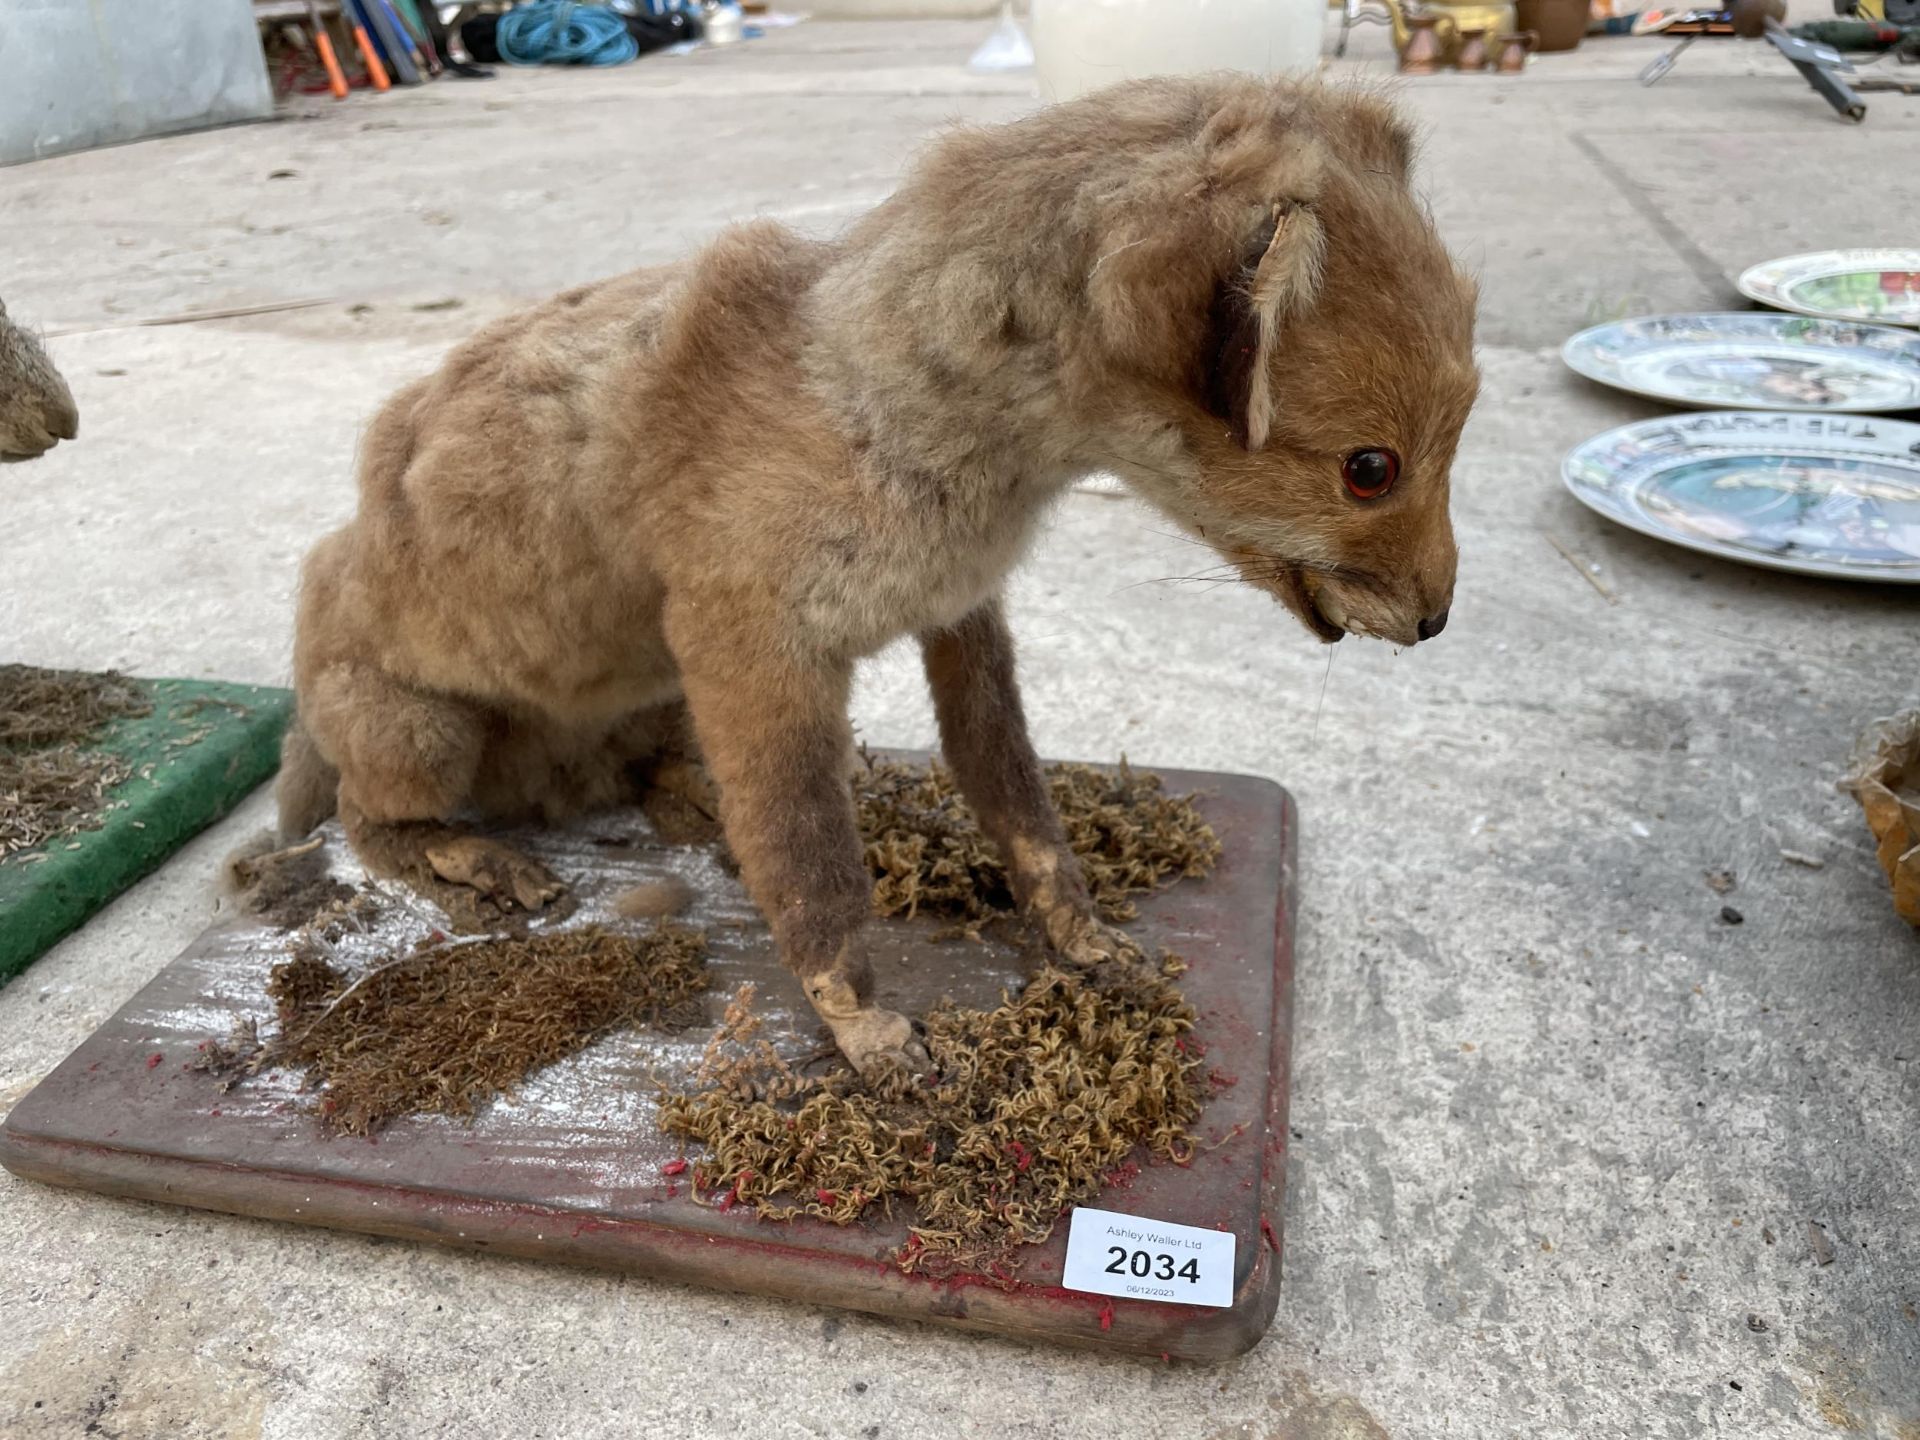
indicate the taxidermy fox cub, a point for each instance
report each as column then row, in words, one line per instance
column 700, row 493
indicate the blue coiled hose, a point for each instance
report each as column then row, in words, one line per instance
column 560, row 32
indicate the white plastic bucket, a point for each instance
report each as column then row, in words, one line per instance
column 1080, row 45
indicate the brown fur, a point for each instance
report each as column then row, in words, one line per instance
column 36, row 408
column 654, row 899
column 722, row 482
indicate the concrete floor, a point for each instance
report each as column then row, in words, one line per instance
column 1562, row 1137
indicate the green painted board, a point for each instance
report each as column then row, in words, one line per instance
column 205, row 745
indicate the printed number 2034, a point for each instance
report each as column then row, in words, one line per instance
column 1150, row 1264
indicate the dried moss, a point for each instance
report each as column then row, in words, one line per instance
column 449, row 1027
column 50, row 794
column 287, row 888
column 1032, row 1105
column 1035, row 1103
column 51, row 784
column 929, row 857
column 41, row 708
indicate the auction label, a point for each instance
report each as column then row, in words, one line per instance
column 1136, row 1259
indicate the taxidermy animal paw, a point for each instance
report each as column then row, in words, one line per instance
column 877, row 1041
column 1085, row 941
column 497, row 871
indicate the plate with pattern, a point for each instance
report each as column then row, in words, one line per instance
column 1881, row 287
column 1754, row 360
column 1835, row 495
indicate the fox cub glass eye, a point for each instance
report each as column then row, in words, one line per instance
column 1370, row 473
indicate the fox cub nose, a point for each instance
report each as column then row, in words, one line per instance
column 1432, row 625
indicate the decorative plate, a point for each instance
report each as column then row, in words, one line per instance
column 1831, row 495
column 1754, row 360
column 1881, row 286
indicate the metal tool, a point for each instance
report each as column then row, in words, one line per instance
column 323, row 46
column 1821, row 65
column 376, row 72
column 1663, row 62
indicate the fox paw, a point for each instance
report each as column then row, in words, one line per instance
column 499, row 872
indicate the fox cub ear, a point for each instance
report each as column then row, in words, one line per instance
column 1385, row 142
column 1276, row 278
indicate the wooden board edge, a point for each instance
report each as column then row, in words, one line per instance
column 659, row 1252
